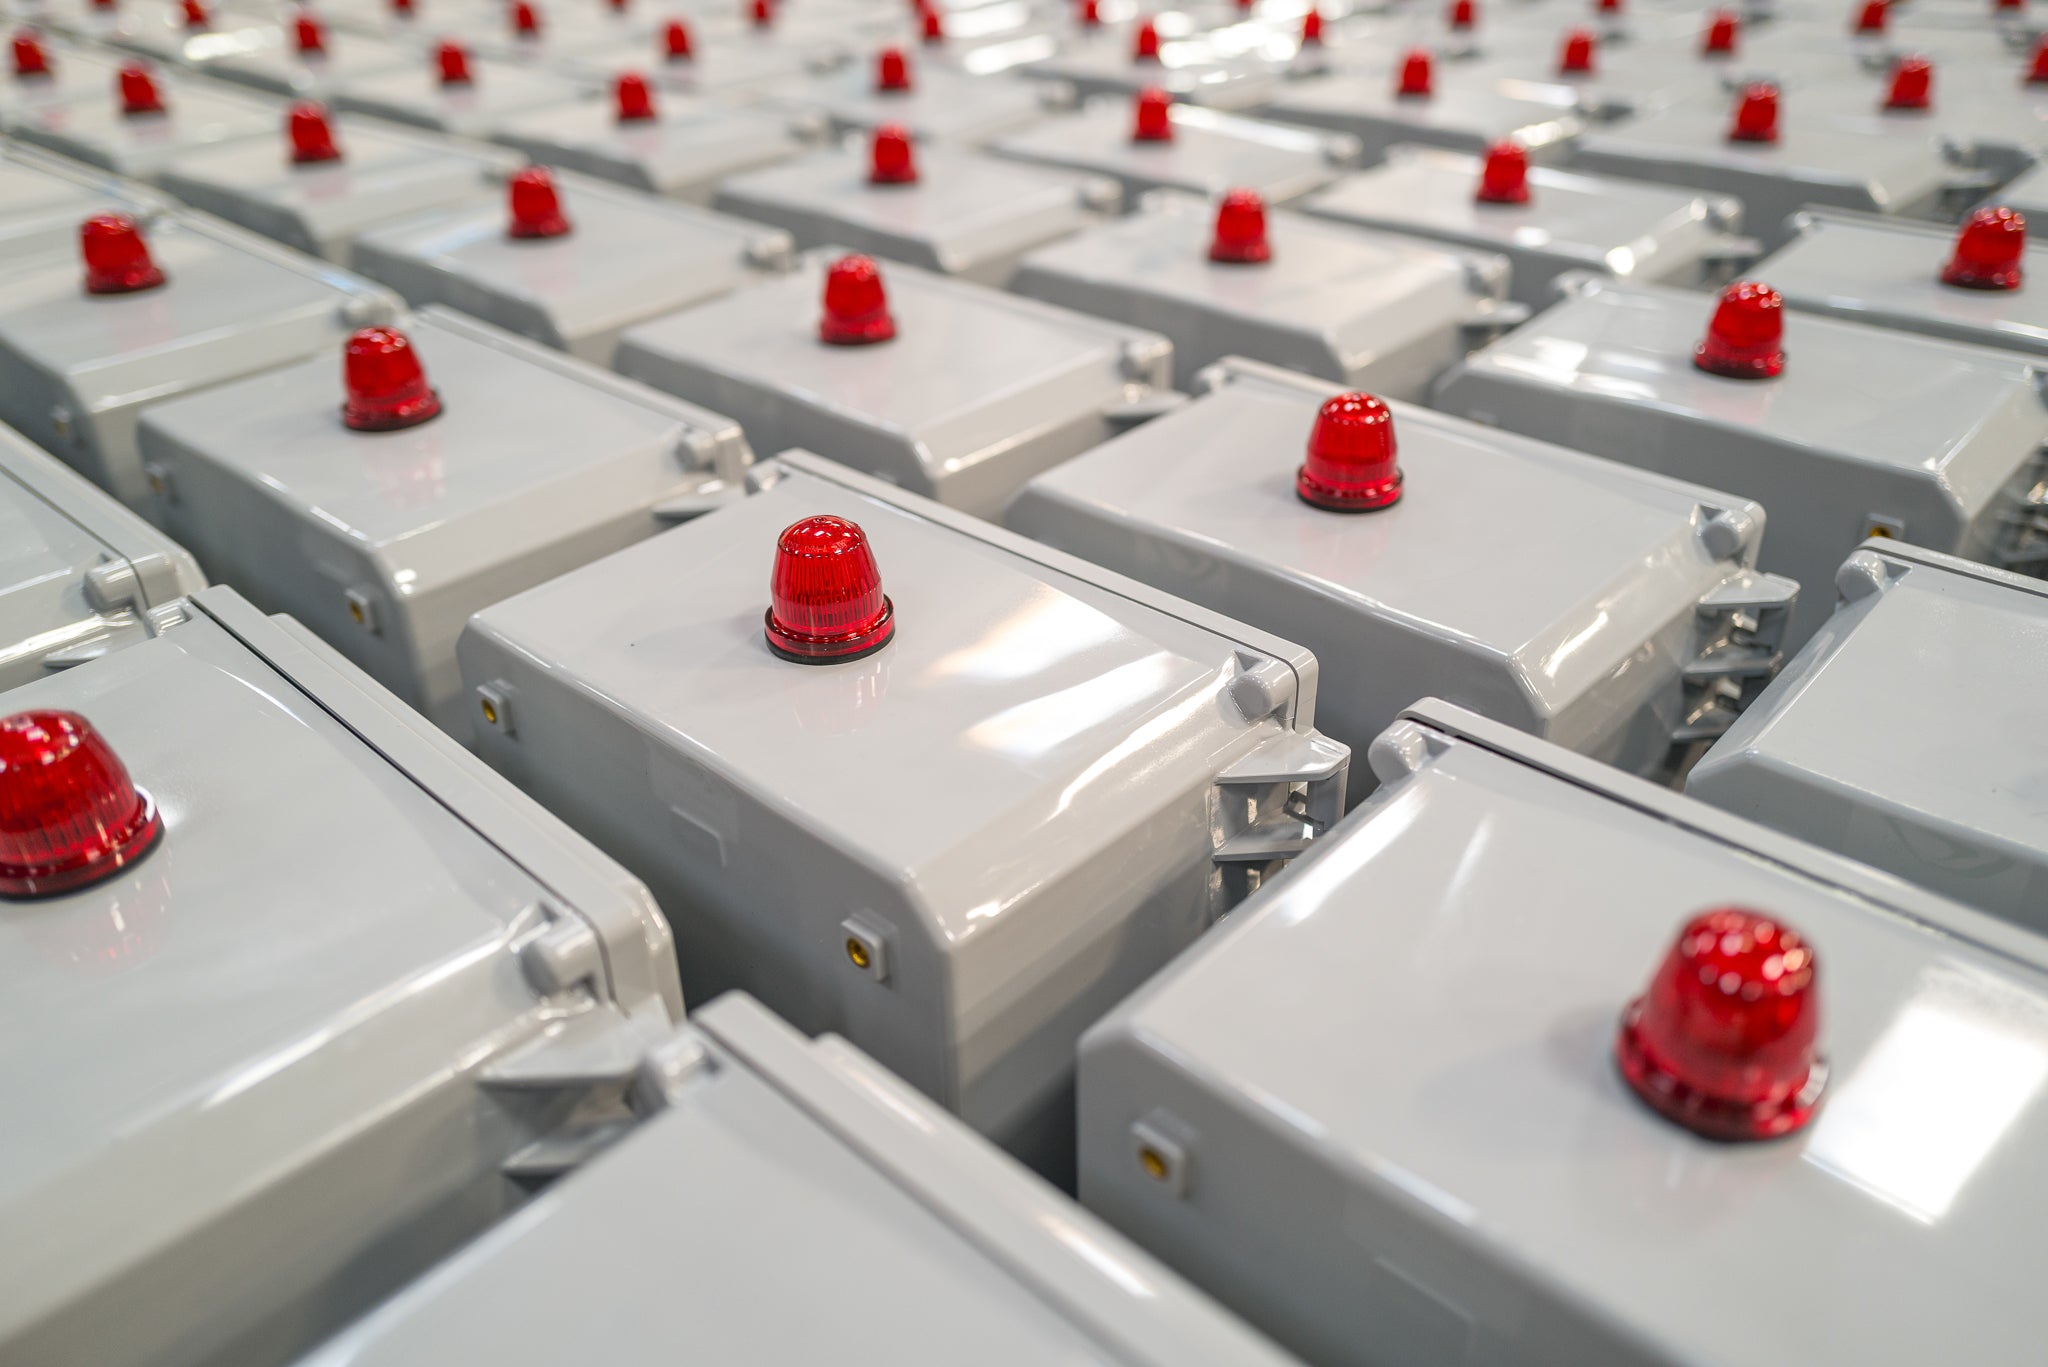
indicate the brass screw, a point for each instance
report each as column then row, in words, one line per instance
column 355, row 610
column 858, row 952
column 1153, row 1162
column 1884, row 532
column 490, row 711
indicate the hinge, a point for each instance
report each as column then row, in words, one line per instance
column 1741, row 634
column 1272, row 802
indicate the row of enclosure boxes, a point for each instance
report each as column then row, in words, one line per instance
column 1162, row 621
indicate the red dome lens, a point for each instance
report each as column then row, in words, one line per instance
column 1756, row 114
column 825, row 594
column 69, row 813
column 1721, row 32
column 401, row 9
column 892, row 69
column 387, row 389
column 525, row 20
column 1576, row 57
column 761, row 14
column 31, row 58
column 1723, row 1042
column 309, row 36
column 675, row 41
column 1990, row 251
column 139, row 92
column 1745, row 339
column 1351, row 466
column 536, row 209
column 453, row 59
column 934, row 27
column 856, row 304
column 1463, row 14
column 633, row 98
column 2037, row 71
column 1145, row 46
column 311, row 135
column 1871, row 18
column 117, row 260
column 1241, row 229
column 1154, row 116
column 1505, row 177
column 1091, row 14
column 1418, row 75
column 1912, row 84
column 890, row 159
column 1312, row 28
column 196, row 17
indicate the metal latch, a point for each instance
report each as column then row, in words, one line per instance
column 1273, row 801
column 1742, row 625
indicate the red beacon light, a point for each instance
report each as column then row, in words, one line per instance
column 453, row 60
column 1608, row 9
column 856, row 305
column 1418, row 76
column 890, row 159
column 892, row 70
column 1463, row 15
column 1504, row 179
column 196, row 18
column 1575, row 58
column 2037, row 70
column 1312, row 28
column 309, row 36
column 386, row 388
column 1091, row 14
column 1912, row 85
column 1756, row 114
column 1351, row 466
column 675, row 42
column 933, row 27
column 310, row 134
column 117, row 259
column 1871, row 18
column 1990, row 251
column 1723, row 1042
column 633, row 98
column 825, row 599
column 31, row 58
column 525, row 22
column 1154, row 122
column 535, row 207
column 402, row 9
column 1745, row 338
column 1722, row 29
column 761, row 14
column 140, row 94
column 1145, row 46
column 70, row 815
column 1241, row 229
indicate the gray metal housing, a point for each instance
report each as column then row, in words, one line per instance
column 320, row 208
column 359, row 996
column 79, row 573
column 1904, row 734
column 77, row 370
column 1462, row 116
column 1397, row 1066
column 95, row 131
column 1866, row 430
column 498, row 91
column 958, row 851
column 1615, row 612
column 1209, row 153
column 1368, row 310
column 793, row 1202
column 1888, row 272
column 977, row 392
column 626, row 259
column 384, row 543
column 967, row 214
column 942, row 105
column 44, row 198
column 1631, row 230
column 683, row 153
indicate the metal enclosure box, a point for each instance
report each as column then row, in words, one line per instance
column 1102, row 62
column 1832, row 163
column 96, row 132
column 1887, row 272
column 76, row 73
column 2027, row 193
column 730, row 67
column 279, row 67
column 1208, row 154
column 942, row 105
column 977, row 392
column 958, row 851
column 1631, row 230
column 321, row 207
column 625, row 259
column 966, row 214
column 1628, row 620
column 320, row 1035
column 383, row 543
column 1865, row 431
column 497, row 91
column 79, row 573
column 43, row 199
column 1387, row 1126
column 1463, row 116
column 1369, row 310
column 1903, row 735
column 684, row 153
column 788, row 1202
column 77, row 369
